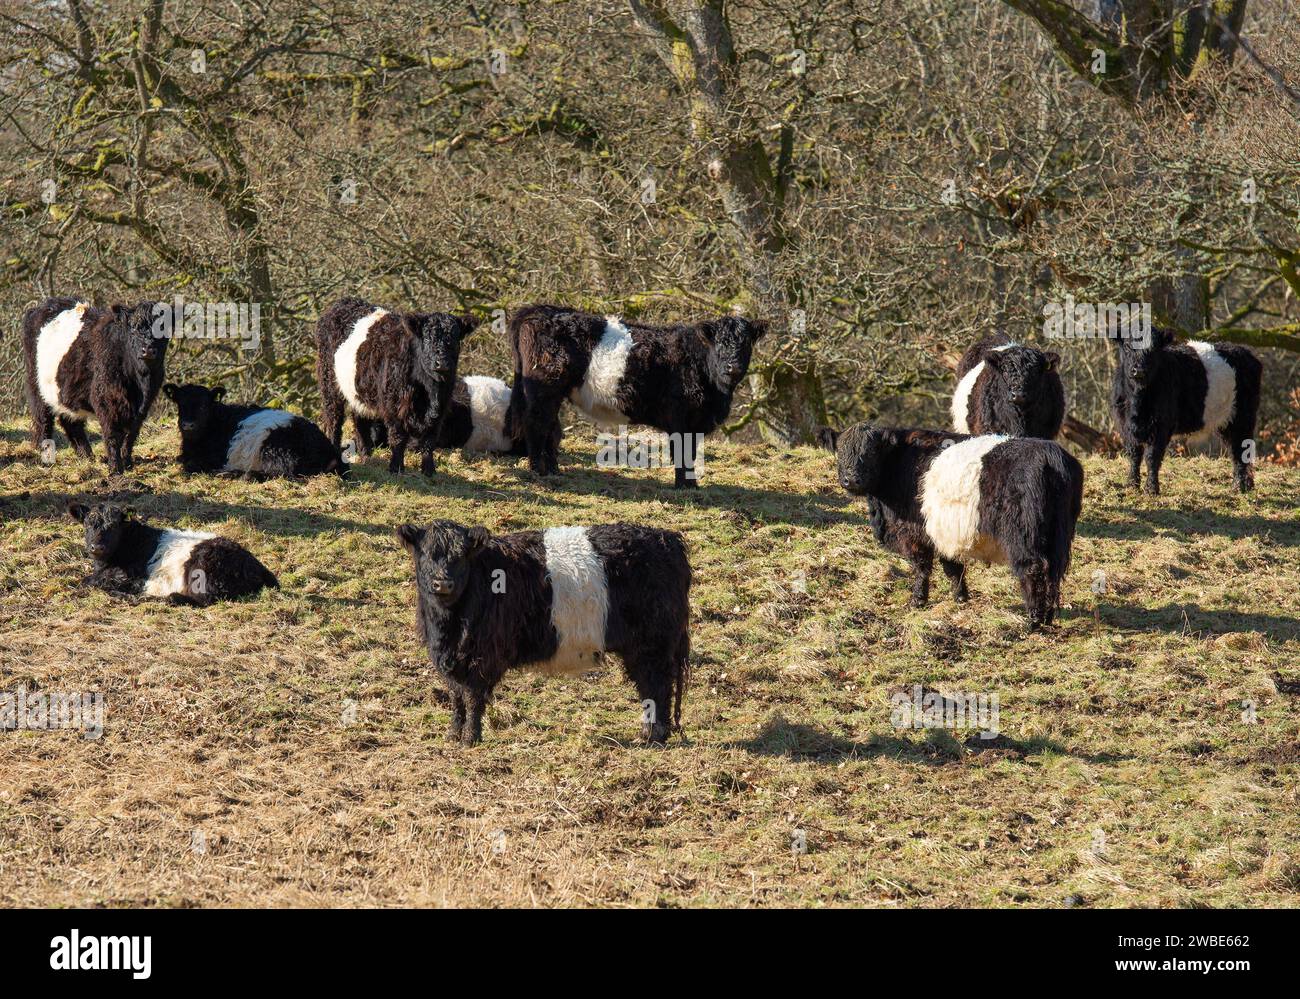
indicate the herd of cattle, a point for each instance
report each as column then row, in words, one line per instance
column 996, row 489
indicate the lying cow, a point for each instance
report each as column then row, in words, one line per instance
column 254, row 440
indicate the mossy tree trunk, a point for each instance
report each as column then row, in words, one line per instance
column 694, row 42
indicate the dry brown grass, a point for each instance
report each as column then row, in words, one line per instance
column 1124, row 772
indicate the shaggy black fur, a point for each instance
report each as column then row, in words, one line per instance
column 122, row 547
column 112, row 370
column 1019, row 392
column 1158, row 392
column 459, row 424
column 679, row 379
column 1031, row 492
column 406, row 371
column 476, row 632
column 207, row 426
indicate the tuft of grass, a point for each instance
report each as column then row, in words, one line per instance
column 288, row 750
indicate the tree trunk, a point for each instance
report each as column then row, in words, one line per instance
column 698, row 50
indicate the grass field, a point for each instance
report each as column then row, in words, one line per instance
column 289, row 750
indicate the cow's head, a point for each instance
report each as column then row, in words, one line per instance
column 860, row 453
column 196, row 405
column 1140, row 363
column 437, row 343
column 105, row 525
column 132, row 328
column 1023, row 376
column 731, row 342
column 444, row 554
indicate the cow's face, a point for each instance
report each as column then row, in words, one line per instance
column 444, row 553
column 1024, row 374
column 860, row 453
column 105, row 525
column 1141, row 364
column 133, row 327
column 196, row 406
column 437, row 348
column 731, row 342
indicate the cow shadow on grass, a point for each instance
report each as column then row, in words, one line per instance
column 759, row 506
column 807, row 743
column 164, row 509
column 1146, row 523
column 1189, row 618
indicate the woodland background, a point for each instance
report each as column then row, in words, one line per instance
column 887, row 180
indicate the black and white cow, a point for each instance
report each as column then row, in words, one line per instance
column 476, row 420
column 394, row 373
column 183, row 567
column 554, row 601
column 679, row 379
column 1004, row 387
column 255, row 440
column 1167, row 389
column 1011, row 500
column 82, row 362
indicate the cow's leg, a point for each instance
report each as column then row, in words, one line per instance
column 684, row 464
column 541, row 424
column 398, row 439
column 366, row 432
column 42, row 420
column 428, row 463
column 922, row 560
column 1155, row 458
column 331, row 415
column 1243, row 471
column 128, row 444
column 651, row 670
column 475, row 701
column 457, row 711
column 1236, row 435
column 1133, row 451
column 76, row 433
column 956, row 573
column 1035, row 588
column 113, row 440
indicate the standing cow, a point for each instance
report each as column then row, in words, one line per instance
column 679, row 379
column 554, row 601
column 393, row 372
column 1194, row 389
column 1004, row 387
column 993, row 499
column 82, row 362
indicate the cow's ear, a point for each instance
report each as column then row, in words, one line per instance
column 169, row 390
column 1161, row 337
column 218, row 393
column 478, row 537
column 410, row 536
column 828, row 437
column 77, row 511
column 468, row 324
column 1053, row 359
column 757, row 330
